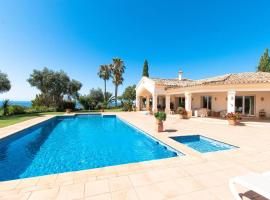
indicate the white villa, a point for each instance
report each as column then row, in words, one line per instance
column 247, row 93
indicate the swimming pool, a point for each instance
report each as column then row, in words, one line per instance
column 72, row 143
column 203, row 144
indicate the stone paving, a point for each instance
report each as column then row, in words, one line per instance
column 193, row 176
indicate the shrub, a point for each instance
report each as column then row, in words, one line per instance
column 233, row 116
column 42, row 100
column 160, row 116
column 5, row 106
column 39, row 109
column 85, row 101
column 16, row 109
column 127, row 106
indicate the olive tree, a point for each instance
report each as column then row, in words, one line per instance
column 129, row 94
column 54, row 86
column 128, row 97
column 4, row 83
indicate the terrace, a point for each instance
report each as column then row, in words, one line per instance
column 193, row 176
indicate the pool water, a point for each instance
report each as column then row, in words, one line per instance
column 73, row 143
column 202, row 144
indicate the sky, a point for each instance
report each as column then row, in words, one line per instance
column 202, row 38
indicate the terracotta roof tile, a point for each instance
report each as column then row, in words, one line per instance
column 239, row 78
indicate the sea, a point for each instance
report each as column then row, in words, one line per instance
column 20, row 103
column 29, row 103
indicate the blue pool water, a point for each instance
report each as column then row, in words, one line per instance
column 202, row 144
column 65, row 144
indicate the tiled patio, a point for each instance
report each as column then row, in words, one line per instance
column 193, row 176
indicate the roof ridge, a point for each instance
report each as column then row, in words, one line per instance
column 224, row 76
column 228, row 76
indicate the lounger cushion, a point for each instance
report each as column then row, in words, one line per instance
column 256, row 182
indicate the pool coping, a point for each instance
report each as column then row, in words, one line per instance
column 15, row 128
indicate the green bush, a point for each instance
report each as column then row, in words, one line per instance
column 16, row 109
column 161, row 116
column 127, row 106
column 85, row 101
column 42, row 100
column 39, row 109
column 4, row 107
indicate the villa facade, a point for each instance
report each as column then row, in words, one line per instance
column 247, row 93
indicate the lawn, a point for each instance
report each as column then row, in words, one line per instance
column 9, row 120
column 13, row 119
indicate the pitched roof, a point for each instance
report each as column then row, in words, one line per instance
column 172, row 82
column 239, row 78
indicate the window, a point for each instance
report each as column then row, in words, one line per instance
column 239, row 104
column 207, row 102
column 245, row 105
column 181, row 102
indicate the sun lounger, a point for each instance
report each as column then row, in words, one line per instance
column 255, row 182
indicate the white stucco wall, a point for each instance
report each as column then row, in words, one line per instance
column 196, row 101
column 219, row 101
column 259, row 103
column 265, row 104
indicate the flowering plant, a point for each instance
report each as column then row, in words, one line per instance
column 233, row 116
column 182, row 111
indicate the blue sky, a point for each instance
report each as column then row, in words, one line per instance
column 203, row 38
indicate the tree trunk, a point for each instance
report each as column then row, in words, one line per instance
column 105, row 90
column 116, row 89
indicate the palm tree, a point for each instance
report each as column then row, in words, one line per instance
column 105, row 74
column 118, row 70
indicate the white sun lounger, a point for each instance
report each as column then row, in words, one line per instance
column 255, row 182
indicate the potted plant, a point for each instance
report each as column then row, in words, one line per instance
column 233, row 118
column 182, row 113
column 160, row 117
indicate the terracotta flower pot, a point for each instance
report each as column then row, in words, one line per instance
column 233, row 122
column 68, row 110
column 183, row 116
column 159, row 126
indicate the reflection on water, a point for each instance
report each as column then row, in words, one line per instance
column 18, row 151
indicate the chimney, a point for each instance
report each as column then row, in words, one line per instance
column 180, row 75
